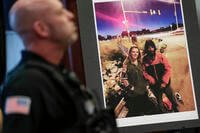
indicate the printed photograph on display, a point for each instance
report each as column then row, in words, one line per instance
column 145, row 61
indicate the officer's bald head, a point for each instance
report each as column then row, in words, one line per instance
column 43, row 20
column 24, row 13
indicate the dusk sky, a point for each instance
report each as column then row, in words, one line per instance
column 110, row 17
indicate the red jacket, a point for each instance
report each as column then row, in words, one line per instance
column 158, row 69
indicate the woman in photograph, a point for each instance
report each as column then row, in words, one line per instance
column 135, row 86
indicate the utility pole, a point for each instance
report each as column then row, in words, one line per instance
column 175, row 14
column 125, row 19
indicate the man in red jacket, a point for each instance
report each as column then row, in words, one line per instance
column 157, row 71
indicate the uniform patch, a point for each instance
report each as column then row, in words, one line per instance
column 18, row 105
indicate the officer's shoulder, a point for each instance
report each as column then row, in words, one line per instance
column 28, row 77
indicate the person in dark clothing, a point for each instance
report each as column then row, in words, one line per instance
column 157, row 72
column 136, row 97
column 39, row 95
column 34, row 101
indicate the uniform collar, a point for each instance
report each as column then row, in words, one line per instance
column 28, row 55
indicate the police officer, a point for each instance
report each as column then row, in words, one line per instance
column 39, row 96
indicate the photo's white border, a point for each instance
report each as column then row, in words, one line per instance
column 155, row 119
column 158, row 118
column 95, row 22
column 100, row 1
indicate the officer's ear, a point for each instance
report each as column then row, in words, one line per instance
column 41, row 29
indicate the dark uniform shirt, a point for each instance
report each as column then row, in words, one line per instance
column 33, row 102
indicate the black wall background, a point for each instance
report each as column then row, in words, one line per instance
column 6, row 7
column 198, row 10
column 2, row 44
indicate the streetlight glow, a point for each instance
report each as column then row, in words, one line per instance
column 159, row 12
column 154, row 12
column 125, row 22
column 170, row 26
